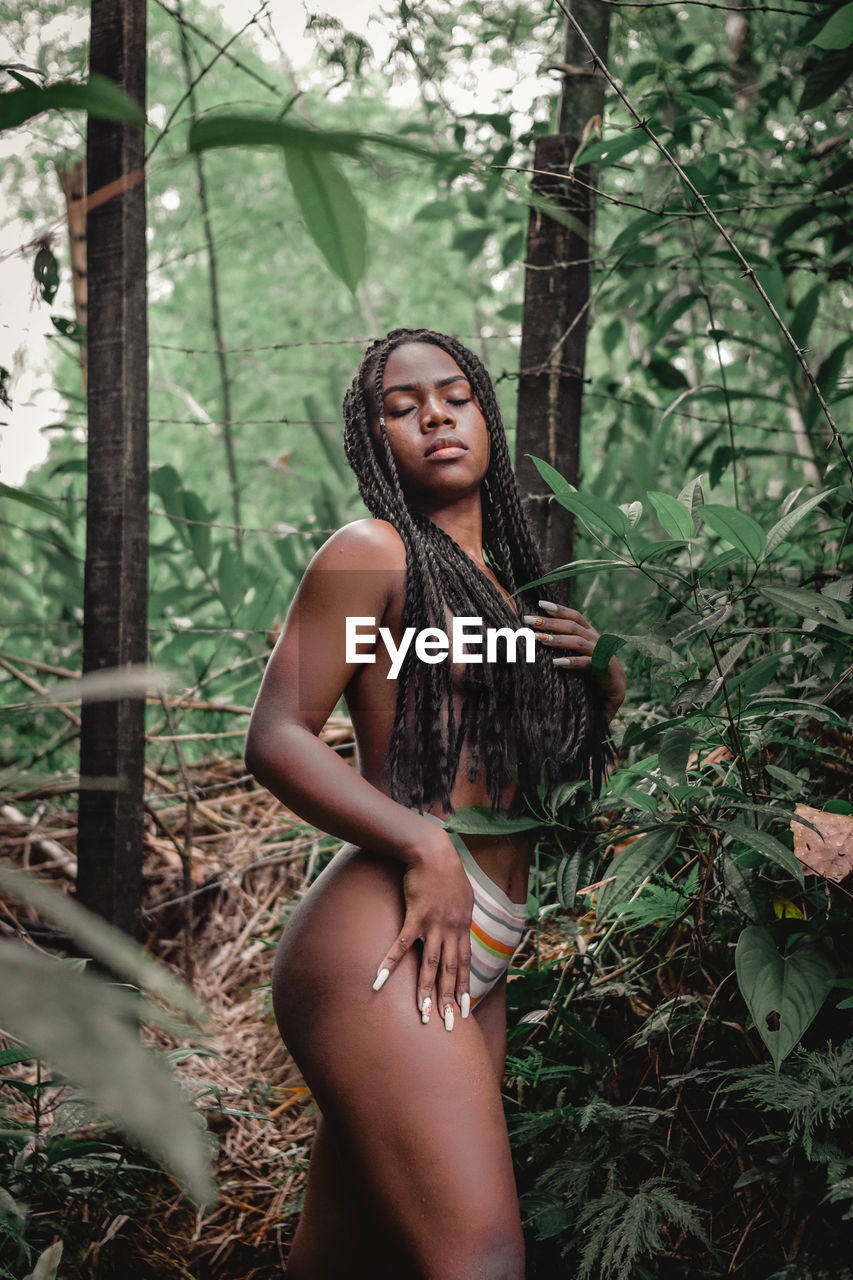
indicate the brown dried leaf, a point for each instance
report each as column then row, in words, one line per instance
column 828, row 851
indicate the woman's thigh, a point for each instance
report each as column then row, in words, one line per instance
column 414, row 1110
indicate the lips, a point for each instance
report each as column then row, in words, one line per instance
column 447, row 445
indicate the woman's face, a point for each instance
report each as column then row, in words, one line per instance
column 437, row 433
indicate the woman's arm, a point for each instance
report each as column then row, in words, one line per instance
column 355, row 575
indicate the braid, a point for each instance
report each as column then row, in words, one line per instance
column 513, row 717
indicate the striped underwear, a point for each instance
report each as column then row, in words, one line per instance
column 497, row 923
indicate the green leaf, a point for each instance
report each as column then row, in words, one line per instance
column 555, row 482
column 333, row 216
column 692, row 496
column 87, row 1029
column 567, row 879
column 706, row 623
column 597, row 512
column 479, row 820
column 837, row 32
column 674, row 752
column 100, row 940
column 609, row 150
column 605, row 647
column 667, row 374
column 736, row 528
column 231, row 577
column 677, row 522
column 229, row 130
column 808, row 604
column 634, row 512
column 48, row 1263
column 783, row 527
column 34, row 500
column 634, row 864
column 8, row 1057
column 826, row 73
column 766, row 845
column 470, row 240
column 99, row 96
column 199, row 532
column 783, row 993
column 437, row 211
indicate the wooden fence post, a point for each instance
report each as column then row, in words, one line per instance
column 556, row 292
column 112, row 740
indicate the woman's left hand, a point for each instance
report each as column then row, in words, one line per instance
column 569, row 632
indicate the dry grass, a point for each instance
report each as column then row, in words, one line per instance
column 220, row 873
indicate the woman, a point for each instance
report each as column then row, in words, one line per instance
column 389, row 981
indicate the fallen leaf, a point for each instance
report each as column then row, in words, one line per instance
column 828, row 851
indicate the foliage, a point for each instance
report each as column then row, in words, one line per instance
column 705, row 946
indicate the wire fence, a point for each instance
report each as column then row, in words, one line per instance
column 774, row 191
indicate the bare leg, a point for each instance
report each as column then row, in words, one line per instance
column 414, row 1111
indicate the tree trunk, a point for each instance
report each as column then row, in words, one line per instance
column 556, row 294
column 112, row 742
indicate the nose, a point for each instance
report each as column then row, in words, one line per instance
column 436, row 413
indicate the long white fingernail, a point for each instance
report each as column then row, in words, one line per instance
column 548, row 605
column 448, row 1017
column 563, row 662
column 426, row 1010
column 381, row 979
column 465, row 1005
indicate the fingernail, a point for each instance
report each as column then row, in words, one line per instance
column 563, row 662
column 530, row 621
column 448, row 1017
column 426, row 1010
column 465, row 1005
column 548, row 606
column 381, row 979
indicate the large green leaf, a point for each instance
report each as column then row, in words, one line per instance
column 765, row 844
column 196, row 528
column 597, row 512
column 677, row 521
column 783, row 993
column 100, row 940
column 783, row 527
column 736, row 528
column 86, row 1028
column 837, row 31
column 605, row 647
column 674, row 753
column 556, row 483
column 479, row 820
column 230, row 130
column 631, row 867
column 691, row 496
column 99, row 96
column 333, row 216
column 34, row 500
column 808, row 604
column 231, row 578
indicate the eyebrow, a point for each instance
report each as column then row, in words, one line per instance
column 445, row 382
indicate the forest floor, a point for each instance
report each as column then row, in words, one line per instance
column 222, row 867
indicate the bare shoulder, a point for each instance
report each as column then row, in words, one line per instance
column 363, row 544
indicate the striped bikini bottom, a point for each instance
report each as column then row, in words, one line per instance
column 497, row 923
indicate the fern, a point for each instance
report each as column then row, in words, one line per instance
column 623, row 1228
column 814, row 1090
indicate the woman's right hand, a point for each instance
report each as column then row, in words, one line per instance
column 439, row 902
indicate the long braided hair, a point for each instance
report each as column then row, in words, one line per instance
column 517, row 720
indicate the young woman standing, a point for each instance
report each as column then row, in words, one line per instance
column 390, row 978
